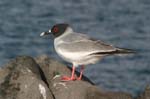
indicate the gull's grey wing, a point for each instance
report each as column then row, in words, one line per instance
column 80, row 43
column 86, row 46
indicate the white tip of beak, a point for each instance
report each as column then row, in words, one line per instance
column 42, row 34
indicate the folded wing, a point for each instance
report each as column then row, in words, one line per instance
column 80, row 43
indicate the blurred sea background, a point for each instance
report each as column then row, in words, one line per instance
column 123, row 23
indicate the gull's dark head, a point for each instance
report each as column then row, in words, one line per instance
column 57, row 30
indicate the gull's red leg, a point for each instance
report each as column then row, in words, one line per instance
column 81, row 73
column 66, row 78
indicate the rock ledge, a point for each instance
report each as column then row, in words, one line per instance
column 27, row 78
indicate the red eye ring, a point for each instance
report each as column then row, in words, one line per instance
column 55, row 29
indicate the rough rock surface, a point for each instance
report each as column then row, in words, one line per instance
column 53, row 70
column 40, row 78
column 20, row 79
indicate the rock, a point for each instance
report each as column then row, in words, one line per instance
column 119, row 95
column 53, row 70
column 145, row 94
column 40, row 78
column 22, row 80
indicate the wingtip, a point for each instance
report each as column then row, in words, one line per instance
column 129, row 51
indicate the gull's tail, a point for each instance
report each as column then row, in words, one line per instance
column 118, row 51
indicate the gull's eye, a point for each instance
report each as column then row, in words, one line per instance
column 55, row 29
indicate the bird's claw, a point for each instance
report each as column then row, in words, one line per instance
column 66, row 78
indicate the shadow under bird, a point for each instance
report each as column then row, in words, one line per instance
column 80, row 49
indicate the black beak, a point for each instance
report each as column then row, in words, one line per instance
column 45, row 33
